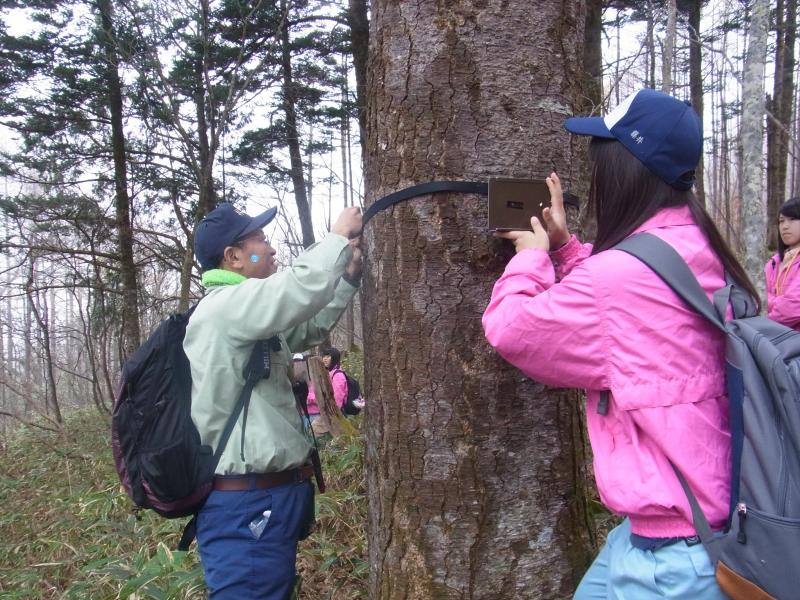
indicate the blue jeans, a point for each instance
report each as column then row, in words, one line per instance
column 238, row 565
column 623, row 572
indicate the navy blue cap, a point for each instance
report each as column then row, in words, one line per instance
column 664, row 133
column 221, row 228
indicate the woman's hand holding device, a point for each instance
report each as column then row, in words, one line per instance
column 555, row 217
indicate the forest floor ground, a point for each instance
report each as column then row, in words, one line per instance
column 67, row 530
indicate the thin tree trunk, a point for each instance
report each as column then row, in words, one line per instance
column 186, row 275
column 696, row 84
column 51, row 399
column 618, row 28
column 359, row 33
column 207, row 200
column 726, row 185
column 592, row 99
column 11, row 357
column 794, row 187
column 651, row 46
column 28, row 374
column 5, row 370
column 295, row 154
column 349, row 150
column 329, row 212
column 122, row 205
column 346, row 183
column 779, row 122
column 593, row 58
column 669, row 47
column 475, row 473
column 753, row 242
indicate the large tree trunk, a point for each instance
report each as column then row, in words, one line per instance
column 754, row 215
column 127, row 266
column 475, row 472
column 780, row 120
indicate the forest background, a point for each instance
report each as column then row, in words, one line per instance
column 123, row 123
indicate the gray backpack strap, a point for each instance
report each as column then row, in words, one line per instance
column 722, row 298
column 732, row 295
column 664, row 260
column 700, row 522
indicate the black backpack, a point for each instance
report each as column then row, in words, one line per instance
column 353, row 393
column 159, row 457
column 756, row 555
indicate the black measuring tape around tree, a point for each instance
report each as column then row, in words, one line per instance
column 463, row 187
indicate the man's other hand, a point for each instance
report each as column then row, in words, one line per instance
column 349, row 223
column 356, row 264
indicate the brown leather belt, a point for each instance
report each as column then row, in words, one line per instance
column 261, row 481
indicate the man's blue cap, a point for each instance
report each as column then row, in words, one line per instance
column 221, row 228
column 664, row 133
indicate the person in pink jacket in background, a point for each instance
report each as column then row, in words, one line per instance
column 783, row 280
column 331, row 358
column 579, row 315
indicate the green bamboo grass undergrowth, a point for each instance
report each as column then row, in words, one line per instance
column 67, row 530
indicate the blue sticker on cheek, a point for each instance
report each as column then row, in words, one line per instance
column 254, row 258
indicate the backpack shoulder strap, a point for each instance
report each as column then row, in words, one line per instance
column 699, row 520
column 341, row 371
column 665, row 261
column 252, row 376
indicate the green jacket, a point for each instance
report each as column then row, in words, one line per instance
column 300, row 305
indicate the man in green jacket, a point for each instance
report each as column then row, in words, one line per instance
column 248, row 529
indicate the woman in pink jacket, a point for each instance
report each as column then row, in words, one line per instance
column 331, row 358
column 783, row 280
column 597, row 318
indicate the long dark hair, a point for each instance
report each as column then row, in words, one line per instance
column 791, row 209
column 625, row 194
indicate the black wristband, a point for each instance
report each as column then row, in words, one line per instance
column 354, row 281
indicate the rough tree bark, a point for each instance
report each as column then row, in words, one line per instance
column 475, row 472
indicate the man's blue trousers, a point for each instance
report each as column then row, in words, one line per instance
column 240, row 566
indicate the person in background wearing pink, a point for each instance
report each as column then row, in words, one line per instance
column 597, row 318
column 331, row 358
column 783, row 269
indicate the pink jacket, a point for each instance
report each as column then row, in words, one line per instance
column 783, row 308
column 610, row 323
column 339, row 383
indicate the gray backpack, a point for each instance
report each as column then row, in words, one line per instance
column 758, row 553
